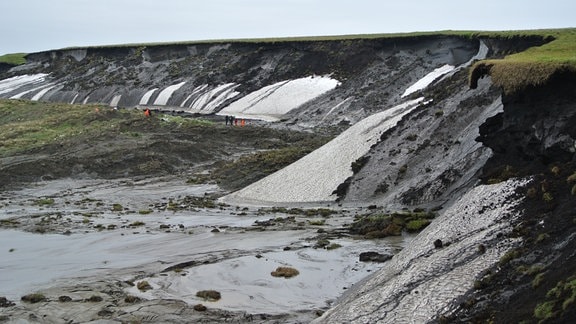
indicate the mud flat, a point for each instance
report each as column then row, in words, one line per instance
column 88, row 246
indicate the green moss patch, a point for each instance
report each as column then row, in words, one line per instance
column 559, row 299
column 379, row 225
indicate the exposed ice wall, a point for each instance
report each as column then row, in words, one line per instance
column 114, row 102
column 42, row 92
column 205, row 100
column 11, row 84
column 428, row 79
column 445, row 71
column 146, row 97
column 165, row 94
column 314, row 177
column 268, row 103
column 273, row 101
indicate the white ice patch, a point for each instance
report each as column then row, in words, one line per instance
column 146, row 97
column 314, row 177
column 74, row 99
column 207, row 101
column 42, row 92
column 273, row 101
column 12, row 84
column 482, row 53
column 114, row 102
column 165, row 94
column 427, row 79
column 336, row 107
column 194, row 93
column 23, row 93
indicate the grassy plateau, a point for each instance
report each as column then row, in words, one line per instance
column 534, row 66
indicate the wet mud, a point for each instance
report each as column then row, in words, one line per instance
column 127, row 250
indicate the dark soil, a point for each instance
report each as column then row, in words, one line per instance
column 146, row 147
column 535, row 283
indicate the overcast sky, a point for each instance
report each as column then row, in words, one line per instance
column 38, row 25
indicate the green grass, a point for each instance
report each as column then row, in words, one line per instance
column 534, row 66
column 14, row 59
column 559, row 300
column 27, row 125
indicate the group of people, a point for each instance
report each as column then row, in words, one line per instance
column 231, row 120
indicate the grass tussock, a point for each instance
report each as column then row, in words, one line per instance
column 559, row 300
column 209, row 295
column 379, row 225
column 34, row 298
column 286, row 272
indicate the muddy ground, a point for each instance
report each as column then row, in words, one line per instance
column 86, row 220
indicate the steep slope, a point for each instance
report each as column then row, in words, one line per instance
column 501, row 253
column 371, row 74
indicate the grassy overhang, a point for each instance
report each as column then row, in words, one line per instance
column 532, row 67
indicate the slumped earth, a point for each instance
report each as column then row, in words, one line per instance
column 179, row 239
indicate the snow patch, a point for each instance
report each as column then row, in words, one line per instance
column 114, row 102
column 12, row 84
column 428, row 79
column 146, row 97
column 206, row 101
column 314, row 177
column 74, row 99
column 42, row 92
column 165, row 94
column 273, row 101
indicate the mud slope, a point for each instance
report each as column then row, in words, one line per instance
column 473, row 266
column 369, row 74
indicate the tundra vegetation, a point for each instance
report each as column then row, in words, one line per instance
column 532, row 67
column 379, row 225
column 285, row 272
column 209, row 295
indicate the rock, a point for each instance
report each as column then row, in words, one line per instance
column 438, row 244
column 94, row 299
column 131, row 299
column 4, row 302
column 374, row 257
column 210, row 295
column 105, row 312
column 144, row 285
column 200, row 308
column 286, row 272
column 64, row 299
column 33, row 298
